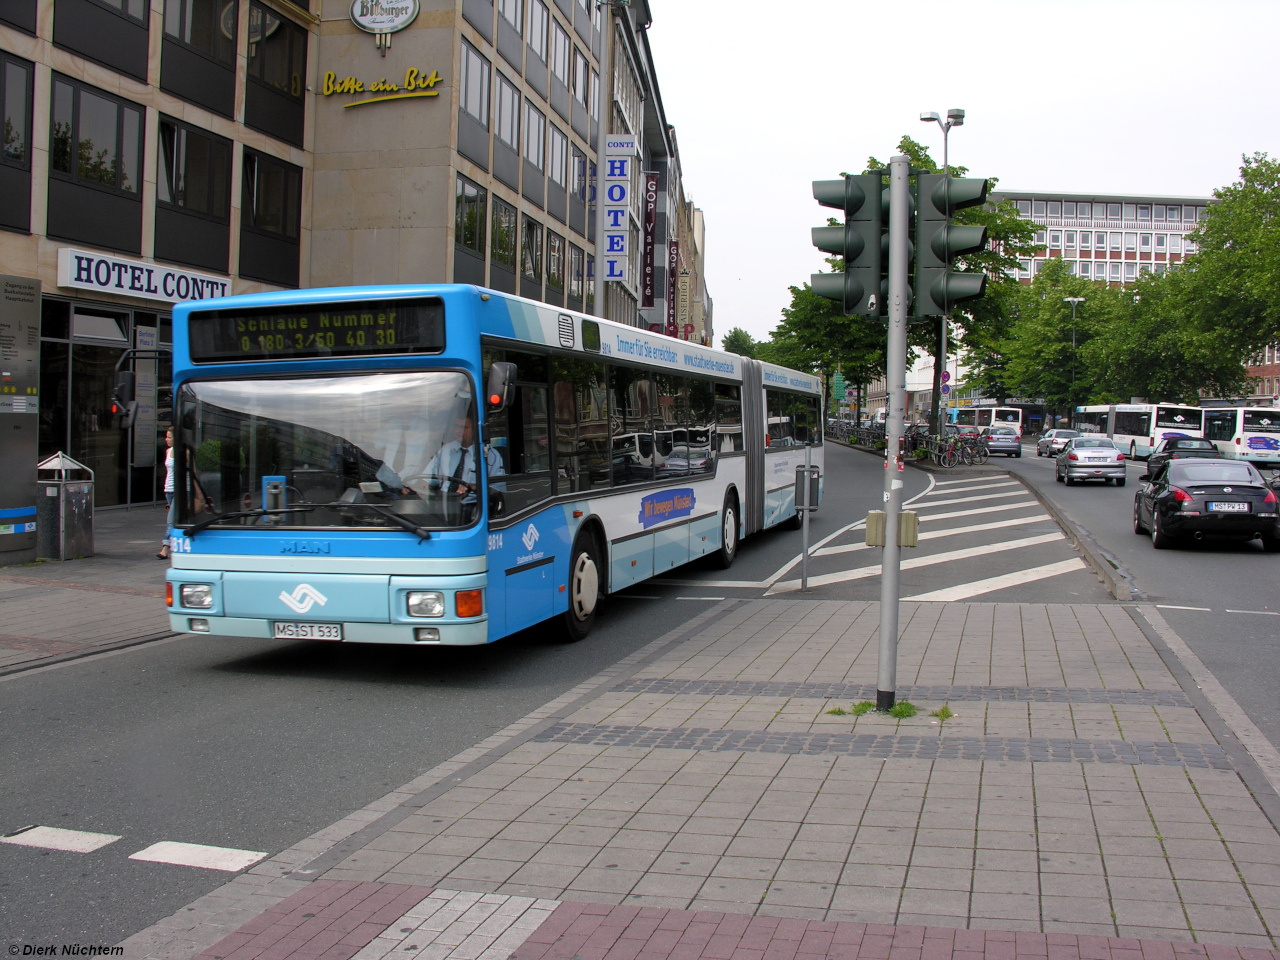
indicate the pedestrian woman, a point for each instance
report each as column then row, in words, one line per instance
column 168, row 494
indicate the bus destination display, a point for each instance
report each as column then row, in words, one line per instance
column 316, row 331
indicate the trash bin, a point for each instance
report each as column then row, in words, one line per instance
column 64, row 509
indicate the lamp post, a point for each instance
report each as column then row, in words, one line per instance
column 1073, row 301
column 955, row 118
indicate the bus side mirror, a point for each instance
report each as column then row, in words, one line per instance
column 502, row 382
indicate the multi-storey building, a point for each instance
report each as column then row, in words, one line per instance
column 1107, row 238
column 157, row 151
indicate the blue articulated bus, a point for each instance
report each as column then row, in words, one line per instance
column 444, row 464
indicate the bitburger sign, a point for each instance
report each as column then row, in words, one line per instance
column 383, row 16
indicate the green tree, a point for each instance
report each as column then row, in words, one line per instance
column 983, row 324
column 740, row 342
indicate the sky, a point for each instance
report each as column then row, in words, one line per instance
column 1125, row 96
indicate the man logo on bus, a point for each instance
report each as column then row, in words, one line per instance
column 530, row 537
column 303, row 597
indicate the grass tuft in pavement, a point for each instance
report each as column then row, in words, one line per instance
column 943, row 713
column 903, row 709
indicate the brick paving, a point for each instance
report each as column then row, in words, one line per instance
column 63, row 608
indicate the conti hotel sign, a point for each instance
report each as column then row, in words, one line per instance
column 86, row 270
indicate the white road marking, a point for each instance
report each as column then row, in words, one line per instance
column 949, row 532
column 976, row 511
column 635, row 596
column 861, row 573
column 56, row 838
column 985, row 496
column 964, row 591
column 984, row 486
column 1170, row 606
column 1261, row 613
column 699, row 598
column 952, row 483
column 198, row 855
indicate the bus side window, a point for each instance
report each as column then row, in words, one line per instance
column 702, row 426
column 519, row 433
column 729, row 417
column 630, row 430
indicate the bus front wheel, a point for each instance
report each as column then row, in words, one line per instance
column 728, row 533
column 584, row 588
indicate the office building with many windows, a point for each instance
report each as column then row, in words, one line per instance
column 157, row 151
column 1111, row 238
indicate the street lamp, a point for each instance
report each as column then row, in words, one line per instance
column 955, row 118
column 1073, row 301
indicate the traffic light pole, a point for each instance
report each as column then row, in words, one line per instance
column 896, row 381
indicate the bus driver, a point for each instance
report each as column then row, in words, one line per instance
column 454, row 465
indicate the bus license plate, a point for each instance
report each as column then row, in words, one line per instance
column 1219, row 506
column 307, row 631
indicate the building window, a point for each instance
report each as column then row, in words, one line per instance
column 539, row 21
column 504, row 235
column 193, row 170
column 1144, row 243
column 1040, row 238
column 1175, row 243
column 277, row 52
column 1130, row 211
column 1024, row 267
column 531, row 250
column 1115, row 241
column 1159, row 212
column 561, row 52
column 1086, row 239
column 1071, row 238
column 1037, row 208
column 535, row 134
column 473, row 93
column 512, row 11
column 1175, row 213
column 15, row 99
column 555, row 261
column 1144, row 211
column 1159, row 269
column 558, row 158
column 1068, row 209
column 1113, row 211
column 581, row 87
column 95, row 137
column 1035, row 267
column 578, row 171
column 1085, row 266
column 1130, row 271
column 577, row 268
column 469, row 216
column 595, row 95
column 1115, row 271
column 1100, row 241
column 1055, row 239
column 202, row 25
column 508, row 110
column 1024, row 208
column 1131, row 241
column 1055, row 208
column 272, row 198
column 1071, row 267
column 1161, row 245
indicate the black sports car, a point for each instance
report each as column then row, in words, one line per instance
column 1199, row 498
column 1180, row 448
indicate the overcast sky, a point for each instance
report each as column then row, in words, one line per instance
column 1123, row 96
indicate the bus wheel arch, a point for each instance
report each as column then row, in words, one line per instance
column 586, row 581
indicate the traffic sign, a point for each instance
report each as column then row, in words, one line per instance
column 848, row 393
column 946, row 376
column 946, row 388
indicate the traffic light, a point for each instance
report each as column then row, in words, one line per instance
column 123, row 404
column 939, row 241
column 857, row 290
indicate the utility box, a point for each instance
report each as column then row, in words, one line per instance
column 908, row 528
column 875, row 528
column 64, row 509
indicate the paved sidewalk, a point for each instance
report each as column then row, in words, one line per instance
column 715, row 795
column 57, row 609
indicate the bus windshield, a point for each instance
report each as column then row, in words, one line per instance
column 372, row 450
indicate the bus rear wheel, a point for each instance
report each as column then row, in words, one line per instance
column 728, row 533
column 584, row 588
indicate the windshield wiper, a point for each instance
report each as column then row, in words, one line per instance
column 240, row 514
column 421, row 532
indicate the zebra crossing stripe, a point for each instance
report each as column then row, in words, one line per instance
column 949, row 532
column 56, row 838
column 964, row 591
column 198, row 855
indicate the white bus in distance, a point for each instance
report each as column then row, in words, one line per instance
column 988, row 416
column 1138, row 428
column 1245, row 433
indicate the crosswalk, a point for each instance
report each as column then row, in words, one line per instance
column 198, row 855
column 981, row 537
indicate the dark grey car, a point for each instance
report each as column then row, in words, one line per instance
column 1003, row 440
column 1090, row 458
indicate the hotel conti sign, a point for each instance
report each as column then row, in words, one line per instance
column 85, row 270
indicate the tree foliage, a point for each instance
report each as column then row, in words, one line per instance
column 740, row 342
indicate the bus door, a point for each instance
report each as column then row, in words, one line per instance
column 1221, row 426
column 1258, row 436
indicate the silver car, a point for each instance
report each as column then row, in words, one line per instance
column 1051, row 442
column 1003, row 440
column 1090, row 458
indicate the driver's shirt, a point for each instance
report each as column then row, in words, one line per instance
column 445, row 463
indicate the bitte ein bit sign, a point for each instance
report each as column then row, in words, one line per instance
column 619, row 158
column 86, row 270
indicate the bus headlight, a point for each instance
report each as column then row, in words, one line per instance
column 197, row 596
column 426, row 603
